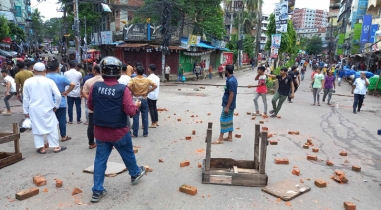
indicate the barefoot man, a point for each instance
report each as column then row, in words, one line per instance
column 228, row 105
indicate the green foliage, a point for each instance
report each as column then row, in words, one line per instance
column 314, row 46
column 247, row 45
column 4, row 28
column 17, row 31
column 270, row 84
column 52, row 28
column 212, row 22
column 37, row 25
column 246, row 20
column 288, row 39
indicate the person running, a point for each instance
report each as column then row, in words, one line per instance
column 198, row 70
column 294, row 74
column 316, row 84
column 285, row 84
column 228, row 106
column 359, row 87
column 10, row 90
column 153, row 96
column 85, row 93
column 329, row 86
column 61, row 82
column 111, row 103
column 261, row 90
column 140, row 87
column 40, row 108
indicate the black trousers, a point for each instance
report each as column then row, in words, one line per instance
column 289, row 95
column 167, row 77
column 90, row 129
column 153, row 110
column 359, row 99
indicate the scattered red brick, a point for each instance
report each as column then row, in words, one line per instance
column 309, row 141
column 196, row 115
column 301, row 181
column 273, row 142
column 188, row 138
column 356, row 168
column 193, row 132
column 296, row 171
column 39, row 181
column 59, row 183
column 190, row 190
column 199, row 165
column 192, row 115
column 281, row 161
column 238, row 136
column 306, row 146
column 161, row 160
column 178, row 119
column 291, row 132
column 336, row 178
column 24, row 194
column 315, row 149
column 184, row 163
column 136, row 150
column 349, row 206
column 278, row 117
column 209, row 113
column 265, row 128
column 343, row 153
column 76, row 191
column 196, row 121
column 320, row 183
column 169, row 116
column 312, row 157
column 236, row 114
column 269, row 135
column 296, row 132
column 343, row 178
column 338, row 172
column 261, row 122
column 148, row 169
column 46, row 190
column 201, row 121
column 248, row 113
column 252, row 118
column 329, row 163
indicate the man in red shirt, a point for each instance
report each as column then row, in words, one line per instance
column 220, row 70
column 111, row 103
column 261, row 90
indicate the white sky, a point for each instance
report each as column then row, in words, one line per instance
column 48, row 7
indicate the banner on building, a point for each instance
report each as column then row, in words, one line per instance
column 340, row 42
column 291, row 6
column 361, row 9
column 356, row 38
column 194, row 39
column 365, row 31
column 372, row 34
column 274, row 53
column 275, row 40
column 106, row 37
column 377, row 41
column 18, row 11
column 281, row 16
column 227, row 58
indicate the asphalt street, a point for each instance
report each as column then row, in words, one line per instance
column 331, row 129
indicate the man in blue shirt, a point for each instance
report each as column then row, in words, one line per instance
column 61, row 82
column 228, row 105
column 85, row 78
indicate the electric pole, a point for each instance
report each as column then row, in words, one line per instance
column 259, row 27
column 166, row 33
column 76, row 29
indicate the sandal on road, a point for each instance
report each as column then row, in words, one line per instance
column 218, row 142
column 62, row 148
column 227, row 139
column 67, row 138
column 41, row 152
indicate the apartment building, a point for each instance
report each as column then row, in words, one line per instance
column 309, row 18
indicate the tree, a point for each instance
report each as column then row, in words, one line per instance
column 37, row 26
column 314, row 46
column 4, row 28
column 16, row 31
column 247, row 45
column 52, row 29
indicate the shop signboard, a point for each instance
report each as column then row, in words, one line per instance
column 227, row 58
column 356, row 38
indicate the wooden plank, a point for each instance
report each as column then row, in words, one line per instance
column 3, row 155
column 208, row 146
column 235, row 168
column 17, row 141
column 5, row 134
column 229, row 163
column 256, row 145
column 221, row 179
column 10, row 160
column 22, row 195
column 9, row 138
column 245, row 170
column 250, row 180
column 262, row 163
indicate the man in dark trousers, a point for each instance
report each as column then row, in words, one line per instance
column 111, row 103
column 285, row 85
column 294, row 74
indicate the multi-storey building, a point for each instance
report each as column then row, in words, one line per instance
column 231, row 9
column 17, row 11
column 263, row 38
column 310, row 18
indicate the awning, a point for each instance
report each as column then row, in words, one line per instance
column 184, row 41
column 132, row 45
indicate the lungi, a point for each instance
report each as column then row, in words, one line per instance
column 226, row 121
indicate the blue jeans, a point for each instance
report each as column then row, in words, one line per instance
column 144, row 110
column 126, row 151
column 210, row 75
column 180, row 78
column 359, row 99
column 61, row 117
column 70, row 103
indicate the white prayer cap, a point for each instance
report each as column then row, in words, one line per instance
column 39, row 66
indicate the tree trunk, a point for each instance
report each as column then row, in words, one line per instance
column 258, row 36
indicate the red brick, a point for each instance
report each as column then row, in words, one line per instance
column 309, row 141
column 190, row 190
column 273, row 142
column 265, row 128
column 236, row 114
column 184, row 163
column 349, row 206
column 356, row 168
column 343, row 178
column 296, row 171
column 252, row 118
column 248, row 113
column 306, row 146
column 343, row 153
column 315, row 149
column 278, row 117
column 46, row 190
column 148, row 169
column 320, row 183
column 39, row 181
column 59, row 183
column 178, row 119
column 269, row 135
column 311, row 157
column 169, row 116
column 261, row 122
column 192, row 115
column 338, row 172
column 193, row 132
column 76, row 191
column 136, row 150
column 24, row 194
column 209, row 113
column 161, row 160
column 296, row 132
column 329, row 163
column 199, row 165
column 337, row 178
column 188, row 137
column 281, row 161
column 238, row 135
column 291, row 132
column 301, row 181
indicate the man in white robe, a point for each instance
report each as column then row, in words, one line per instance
column 39, row 107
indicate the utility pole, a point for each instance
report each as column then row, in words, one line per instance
column 166, row 33
column 259, row 30
column 76, row 28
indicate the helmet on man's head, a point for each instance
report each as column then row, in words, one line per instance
column 110, row 66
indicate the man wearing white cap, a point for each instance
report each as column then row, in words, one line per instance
column 39, row 107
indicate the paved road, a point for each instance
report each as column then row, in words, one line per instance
column 332, row 130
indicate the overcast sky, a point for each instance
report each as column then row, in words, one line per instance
column 48, row 7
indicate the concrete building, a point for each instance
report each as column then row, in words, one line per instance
column 309, row 18
column 311, row 32
column 263, row 39
column 17, row 11
column 231, row 8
